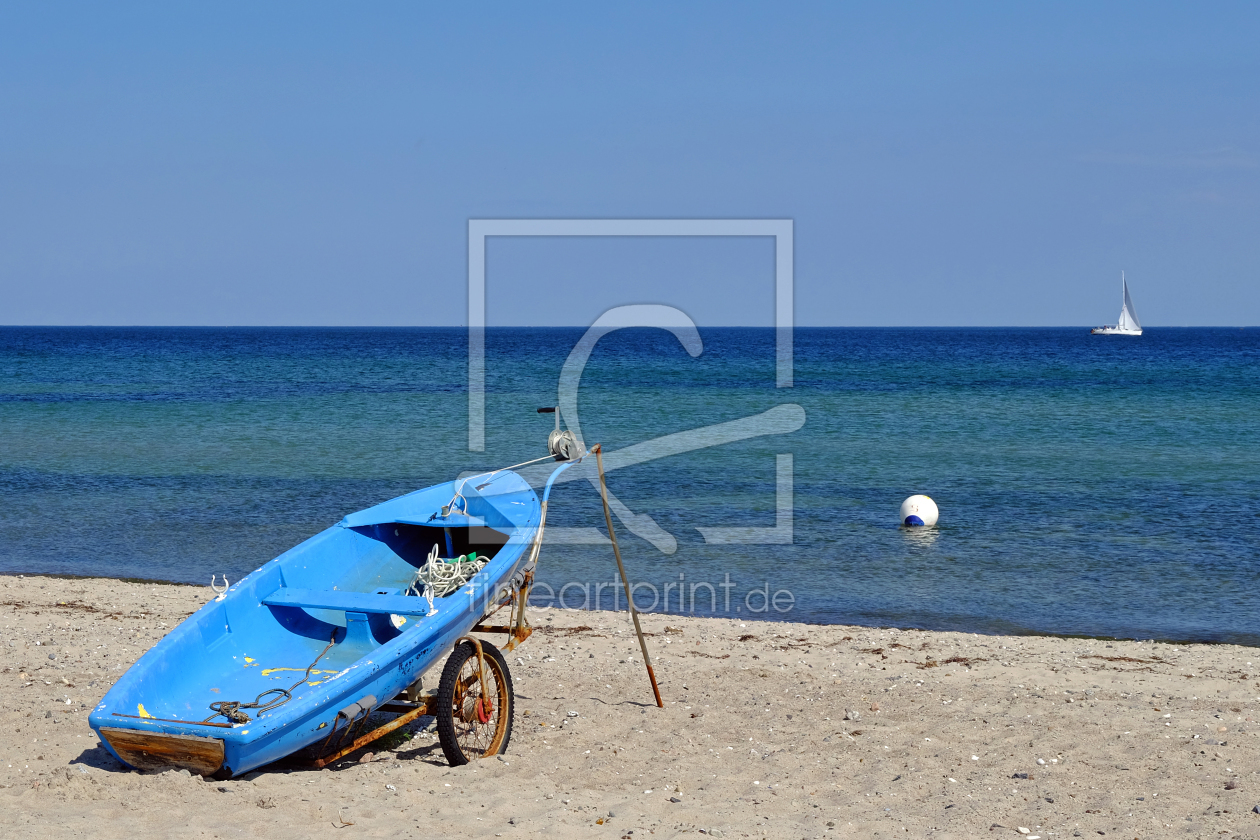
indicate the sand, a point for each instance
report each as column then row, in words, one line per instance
column 769, row 729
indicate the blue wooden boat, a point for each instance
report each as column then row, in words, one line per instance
column 301, row 653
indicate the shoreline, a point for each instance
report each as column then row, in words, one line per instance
column 775, row 729
column 1029, row 633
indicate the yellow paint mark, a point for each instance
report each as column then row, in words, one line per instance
column 269, row 671
column 143, row 712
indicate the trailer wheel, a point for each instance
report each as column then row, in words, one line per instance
column 471, row 725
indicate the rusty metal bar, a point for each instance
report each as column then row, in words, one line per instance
column 523, row 630
column 517, row 638
column 518, row 629
column 364, row 740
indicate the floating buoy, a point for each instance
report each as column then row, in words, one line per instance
column 919, row 510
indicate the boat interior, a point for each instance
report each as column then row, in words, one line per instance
column 341, row 586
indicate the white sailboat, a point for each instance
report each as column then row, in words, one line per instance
column 1128, row 324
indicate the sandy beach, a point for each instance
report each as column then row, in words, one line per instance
column 769, row 730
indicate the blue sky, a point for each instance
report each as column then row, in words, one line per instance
column 973, row 164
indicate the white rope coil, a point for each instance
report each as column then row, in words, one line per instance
column 442, row 577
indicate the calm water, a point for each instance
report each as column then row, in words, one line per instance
column 1088, row 485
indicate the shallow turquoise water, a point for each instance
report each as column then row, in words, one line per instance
column 1089, row 485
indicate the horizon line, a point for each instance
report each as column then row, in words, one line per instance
column 587, row 326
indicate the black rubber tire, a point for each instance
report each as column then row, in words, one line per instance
column 462, row 740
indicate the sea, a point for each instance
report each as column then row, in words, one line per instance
column 1087, row 485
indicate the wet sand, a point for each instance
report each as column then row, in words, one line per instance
column 769, row 729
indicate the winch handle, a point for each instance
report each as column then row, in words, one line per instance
column 552, row 410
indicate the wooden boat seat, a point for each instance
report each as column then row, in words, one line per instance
column 335, row 599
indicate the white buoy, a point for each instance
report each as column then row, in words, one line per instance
column 919, row 510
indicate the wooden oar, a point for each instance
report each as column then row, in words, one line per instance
column 634, row 614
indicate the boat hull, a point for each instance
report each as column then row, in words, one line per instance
column 1113, row 331
column 332, row 603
